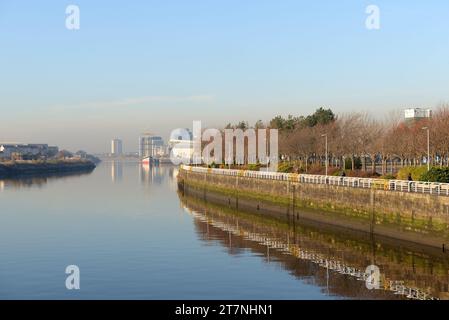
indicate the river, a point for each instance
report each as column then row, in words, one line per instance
column 134, row 236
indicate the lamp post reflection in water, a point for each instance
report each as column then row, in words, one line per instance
column 393, row 283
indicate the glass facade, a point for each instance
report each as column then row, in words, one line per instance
column 151, row 146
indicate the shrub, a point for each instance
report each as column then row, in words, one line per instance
column 254, row 167
column 321, row 170
column 315, row 168
column 213, row 165
column 415, row 172
column 436, row 175
column 331, row 171
column 285, row 167
column 337, row 173
column 298, row 169
column 388, row 177
column 361, row 174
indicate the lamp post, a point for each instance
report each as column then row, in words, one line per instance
column 327, row 161
column 428, row 147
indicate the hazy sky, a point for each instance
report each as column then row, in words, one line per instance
column 158, row 65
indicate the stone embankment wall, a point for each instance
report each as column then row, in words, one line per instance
column 11, row 170
column 416, row 217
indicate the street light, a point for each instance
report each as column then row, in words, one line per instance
column 428, row 147
column 325, row 136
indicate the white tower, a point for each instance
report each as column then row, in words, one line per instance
column 116, row 147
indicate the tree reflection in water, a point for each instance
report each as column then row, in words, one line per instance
column 334, row 259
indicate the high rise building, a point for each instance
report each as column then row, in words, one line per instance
column 116, row 147
column 151, row 146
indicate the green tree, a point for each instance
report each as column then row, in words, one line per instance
column 242, row 125
column 290, row 123
column 277, row 123
column 259, row 124
column 321, row 116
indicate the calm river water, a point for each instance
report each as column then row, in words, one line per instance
column 134, row 236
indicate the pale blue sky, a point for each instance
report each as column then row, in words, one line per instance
column 158, row 65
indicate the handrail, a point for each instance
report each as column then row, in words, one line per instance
column 435, row 188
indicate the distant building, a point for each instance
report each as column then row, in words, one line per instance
column 116, row 147
column 181, row 145
column 151, row 146
column 27, row 151
column 52, row 151
column 416, row 114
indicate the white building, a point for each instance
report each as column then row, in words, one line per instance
column 415, row 114
column 181, row 145
column 116, row 147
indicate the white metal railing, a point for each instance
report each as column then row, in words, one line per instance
column 435, row 188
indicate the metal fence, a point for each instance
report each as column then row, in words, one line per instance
column 367, row 183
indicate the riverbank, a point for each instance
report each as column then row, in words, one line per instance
column 416, row 217
column 24, row 168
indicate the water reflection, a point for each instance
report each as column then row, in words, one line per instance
column 38, row 180
column 127, row 229
column 156, row 175
column 150, row 174
column 331, row 258
column 116, row 171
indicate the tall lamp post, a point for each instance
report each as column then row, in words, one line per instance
column 428, row 147
column 327, row 161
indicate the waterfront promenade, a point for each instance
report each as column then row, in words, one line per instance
column 404, row 210
column 435, row 188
